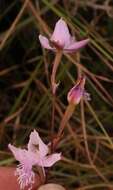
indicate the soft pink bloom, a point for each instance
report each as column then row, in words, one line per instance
column 77, row 92
column 36, row 155
column 61, row 39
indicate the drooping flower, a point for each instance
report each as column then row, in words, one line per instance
column 77, row 92
column 61, row 39
column 35, row 155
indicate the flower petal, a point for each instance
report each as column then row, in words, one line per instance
column 45, row 42
column 36, row 145
column 74, row 95
column 52, row 159
column 75, row 46
column 24, row 170
column 18, row 153
column 26, row 177
column 23, row 156
column 61, row 33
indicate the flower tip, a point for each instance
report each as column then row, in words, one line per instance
column 10, row 146
column 34, row 131
column 61, row 23
column 40, row 37
column 45, row 42
column 87, row 40
column 60, row 156
column 60, row 20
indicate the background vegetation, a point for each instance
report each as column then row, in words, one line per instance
column 26, row 100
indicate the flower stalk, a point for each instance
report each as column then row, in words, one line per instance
column 74, row 97
column 54, row 70
column 54, row 86
column 67, row 115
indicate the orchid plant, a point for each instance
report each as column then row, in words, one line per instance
column 37, row 153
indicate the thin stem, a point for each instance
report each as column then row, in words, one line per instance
column 67, row 115
column 54, row 70
column 84, row 132
column 54, row 86
column 52, row 121
column 10, row 31
column 86, row 144
column 37, row 16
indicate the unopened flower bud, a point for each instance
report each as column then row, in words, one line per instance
column 77, row 92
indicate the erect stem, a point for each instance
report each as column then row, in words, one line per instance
column 54, row 87
column 52, row 121
column 87, row 146
column 54, row 70
column 68, row 113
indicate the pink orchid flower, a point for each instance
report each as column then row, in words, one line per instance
column 36, row 155
column 61, row 39
column 77, row 92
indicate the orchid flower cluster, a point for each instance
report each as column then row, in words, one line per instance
column 37, row 153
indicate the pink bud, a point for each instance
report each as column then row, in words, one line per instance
column 77, row 92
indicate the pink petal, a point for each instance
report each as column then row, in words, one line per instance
column 26, row 177
column 18, row 153
column 75, row 46
column 45, row 42
column 61, row 33
column 36, row 145
column 23, row 156
column 52, row 159
column 74, row 95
